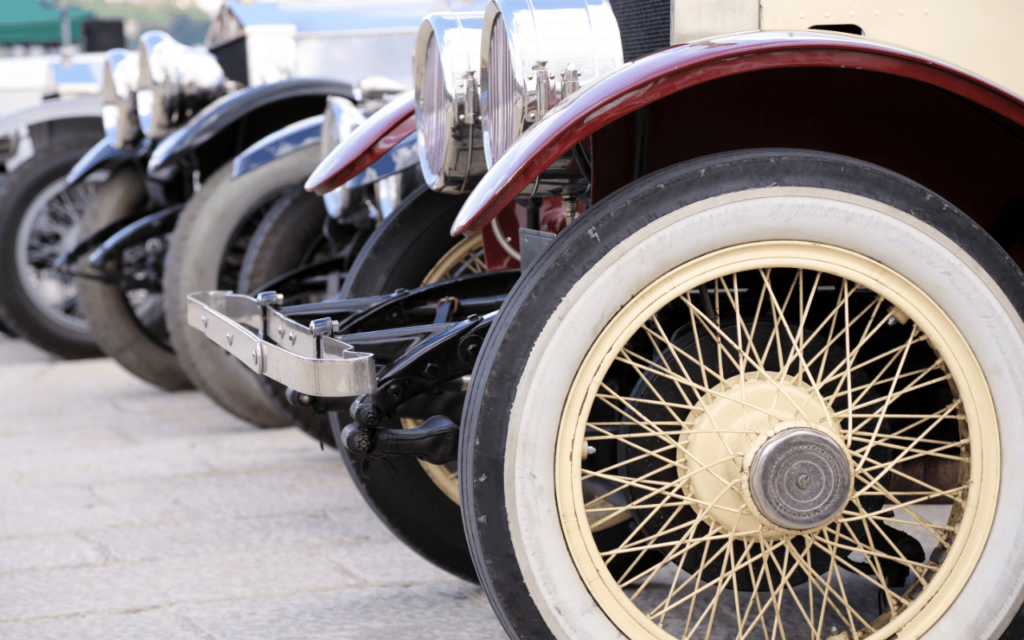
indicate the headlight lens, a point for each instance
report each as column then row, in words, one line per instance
column 500, row 93
column 433, row 108
column 532, row 58
column 447, row 102
column 341, row 118
column 120, row 81
column 175, row 81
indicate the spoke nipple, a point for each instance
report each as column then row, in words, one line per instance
column 896, row 315
column 280, row 331
column 591, row 449
column 292, row 336
column 230, row 338
column 205, row 320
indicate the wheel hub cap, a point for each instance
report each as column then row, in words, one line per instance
column 764, row 451
column 800, row 478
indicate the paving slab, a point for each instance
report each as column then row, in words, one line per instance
column 130, row 512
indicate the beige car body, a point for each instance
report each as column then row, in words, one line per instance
column 983, row 36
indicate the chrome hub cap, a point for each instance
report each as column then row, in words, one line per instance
column 764, row 451
column 800, row 478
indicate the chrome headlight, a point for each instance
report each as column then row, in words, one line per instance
column 341, row 118
column 531, row 58
column 175, row 81
column 447, row 101
column 120, row 82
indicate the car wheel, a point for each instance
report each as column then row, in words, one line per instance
column 417, row 500
column 40, row 218
column 128, row 324
column 206, row 253
column 789, row 378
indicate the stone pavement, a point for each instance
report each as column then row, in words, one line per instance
column 130, row 512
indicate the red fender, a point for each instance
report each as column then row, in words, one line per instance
column 669, row 71
column 367, row 144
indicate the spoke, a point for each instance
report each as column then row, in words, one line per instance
column 888, row 401
column 890, row 466
column 755, row 599
column 918, row 519
column 707, row 391
column 864, row 388
column 683, row 540
column 654, row 431
column 796, row 350
column 768, row 377
column 826, row 589
column 928, row 453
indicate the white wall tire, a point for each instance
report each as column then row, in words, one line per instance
column 132, row 334
column 637, row 236
column 195, row 261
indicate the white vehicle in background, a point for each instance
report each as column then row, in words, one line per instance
column 49, row 116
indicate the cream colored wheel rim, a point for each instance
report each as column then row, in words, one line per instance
column 837, row 298
column 463, row 258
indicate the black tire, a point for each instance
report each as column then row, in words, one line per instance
column 538, row 314
column 22, row 307
column 398, row 255
column 290, row 236
column 203, row 256
column 134, row 342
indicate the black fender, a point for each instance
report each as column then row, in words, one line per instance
column 304, row 133
column 230, row 124
column 104, row 155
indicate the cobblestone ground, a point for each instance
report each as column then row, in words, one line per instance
column 129, row 512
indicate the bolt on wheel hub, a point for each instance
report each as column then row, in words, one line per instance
column 800, row 478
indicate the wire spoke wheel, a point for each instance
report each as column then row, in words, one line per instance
column 49, row 227
column 770, row 393
column 795, row 435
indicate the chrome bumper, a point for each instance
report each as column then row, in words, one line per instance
column 304, row 358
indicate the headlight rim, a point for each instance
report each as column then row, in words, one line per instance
column 462, row 161
column 545, row 66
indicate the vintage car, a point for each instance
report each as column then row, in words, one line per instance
column 760, row 372
column 164, row 145
column 51, row 117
